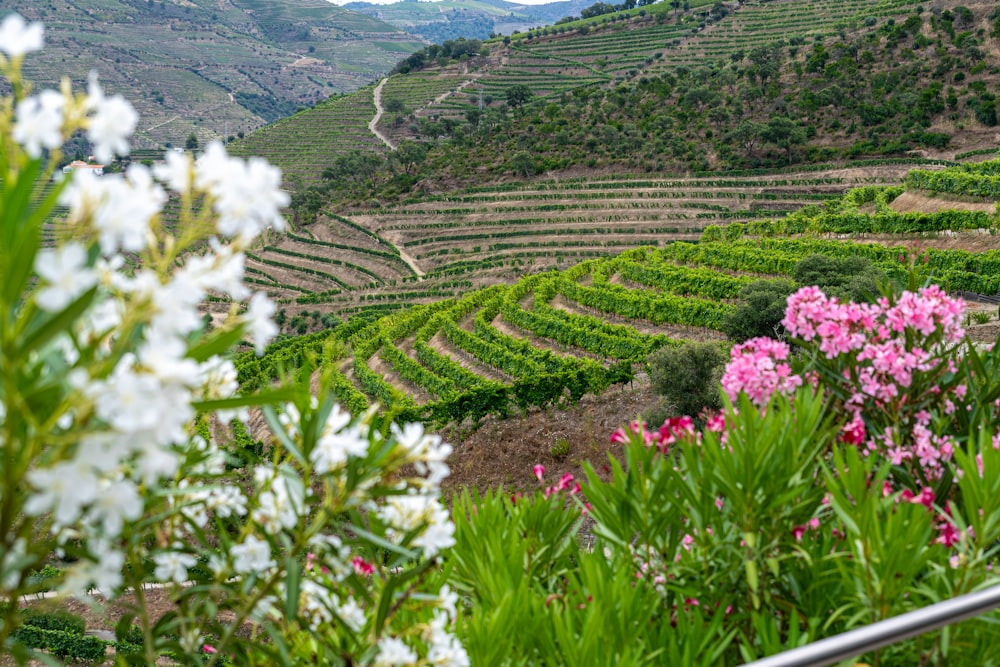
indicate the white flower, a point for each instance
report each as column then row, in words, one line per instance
column 157, row 463
column 221, row 269
column 407, row 513
column 448, row 601
column 426, row 451
column 103, row 572
column 227, row 501
column 175, row 171
column 217, row 378
column 440, row 534
column 332, row 449
column 352, row 615
column 176, row 306
column 392, row 652
column 18, row 38
column 212, row 167
column 39, row 122
column 130, row 402
column 103, row 317
column 259, row 323
column 120, row 209
column 247, row 195
column 253, row 556
column 316, row 601
column 66, row 274
column 164, row 357
column 110, row 128
column 104, row 451
column 173, row 566
column 445, row 650
column 62, row 489
column 116, row 502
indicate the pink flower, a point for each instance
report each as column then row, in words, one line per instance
column 673, row 428
column 208, row 648
column 538, row 470
column 361, row 566
column 853, row 432
column 716, row 423
column 756, row 368
column 947, row 535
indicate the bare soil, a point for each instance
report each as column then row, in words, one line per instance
column 501, row 452
column 915, row 202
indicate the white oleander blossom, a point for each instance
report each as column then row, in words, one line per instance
column 112, row 123
column 252, row 556
column 247, row 196
column 260, row 322
column 39, row 122
column 336, row 443
column 176, row 171
column 393, row 652
column 119, row 209
column 18, row 37
column 411, row 512
column 65, row 275
column 173, row 566
column 444, row 648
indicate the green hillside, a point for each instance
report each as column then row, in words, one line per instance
column 765, row 85
column 205, row 67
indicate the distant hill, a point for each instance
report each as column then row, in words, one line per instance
column 205, row 67
column 442, row 20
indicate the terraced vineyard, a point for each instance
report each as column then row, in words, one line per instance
column 304, row 144
column 547, row 223
column 447, row 245
column 554, row 336
column 761, row 24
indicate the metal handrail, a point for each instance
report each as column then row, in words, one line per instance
column 854, row 643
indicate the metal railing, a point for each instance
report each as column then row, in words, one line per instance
column 854, row 643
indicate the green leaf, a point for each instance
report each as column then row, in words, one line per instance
column 294, row 571
column 215, row 344
column 264, row 398
column 381, row 542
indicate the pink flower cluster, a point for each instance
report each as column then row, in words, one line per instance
column 880, row 351
column 566, row 483
column 673, row 430
column 850, row 327
column 759, row 368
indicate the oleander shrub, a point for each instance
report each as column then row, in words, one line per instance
column 116, row 403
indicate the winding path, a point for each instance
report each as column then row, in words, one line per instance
column 373, row 123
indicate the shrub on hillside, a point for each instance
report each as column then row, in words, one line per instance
column 761, row 309
column 686, row 378
column 847, row 278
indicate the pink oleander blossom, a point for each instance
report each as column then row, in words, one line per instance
column 362, row 567
column 758, row 368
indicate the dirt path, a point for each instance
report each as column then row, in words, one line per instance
column 443, row 96
column 373, row 123
column 410, row 262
